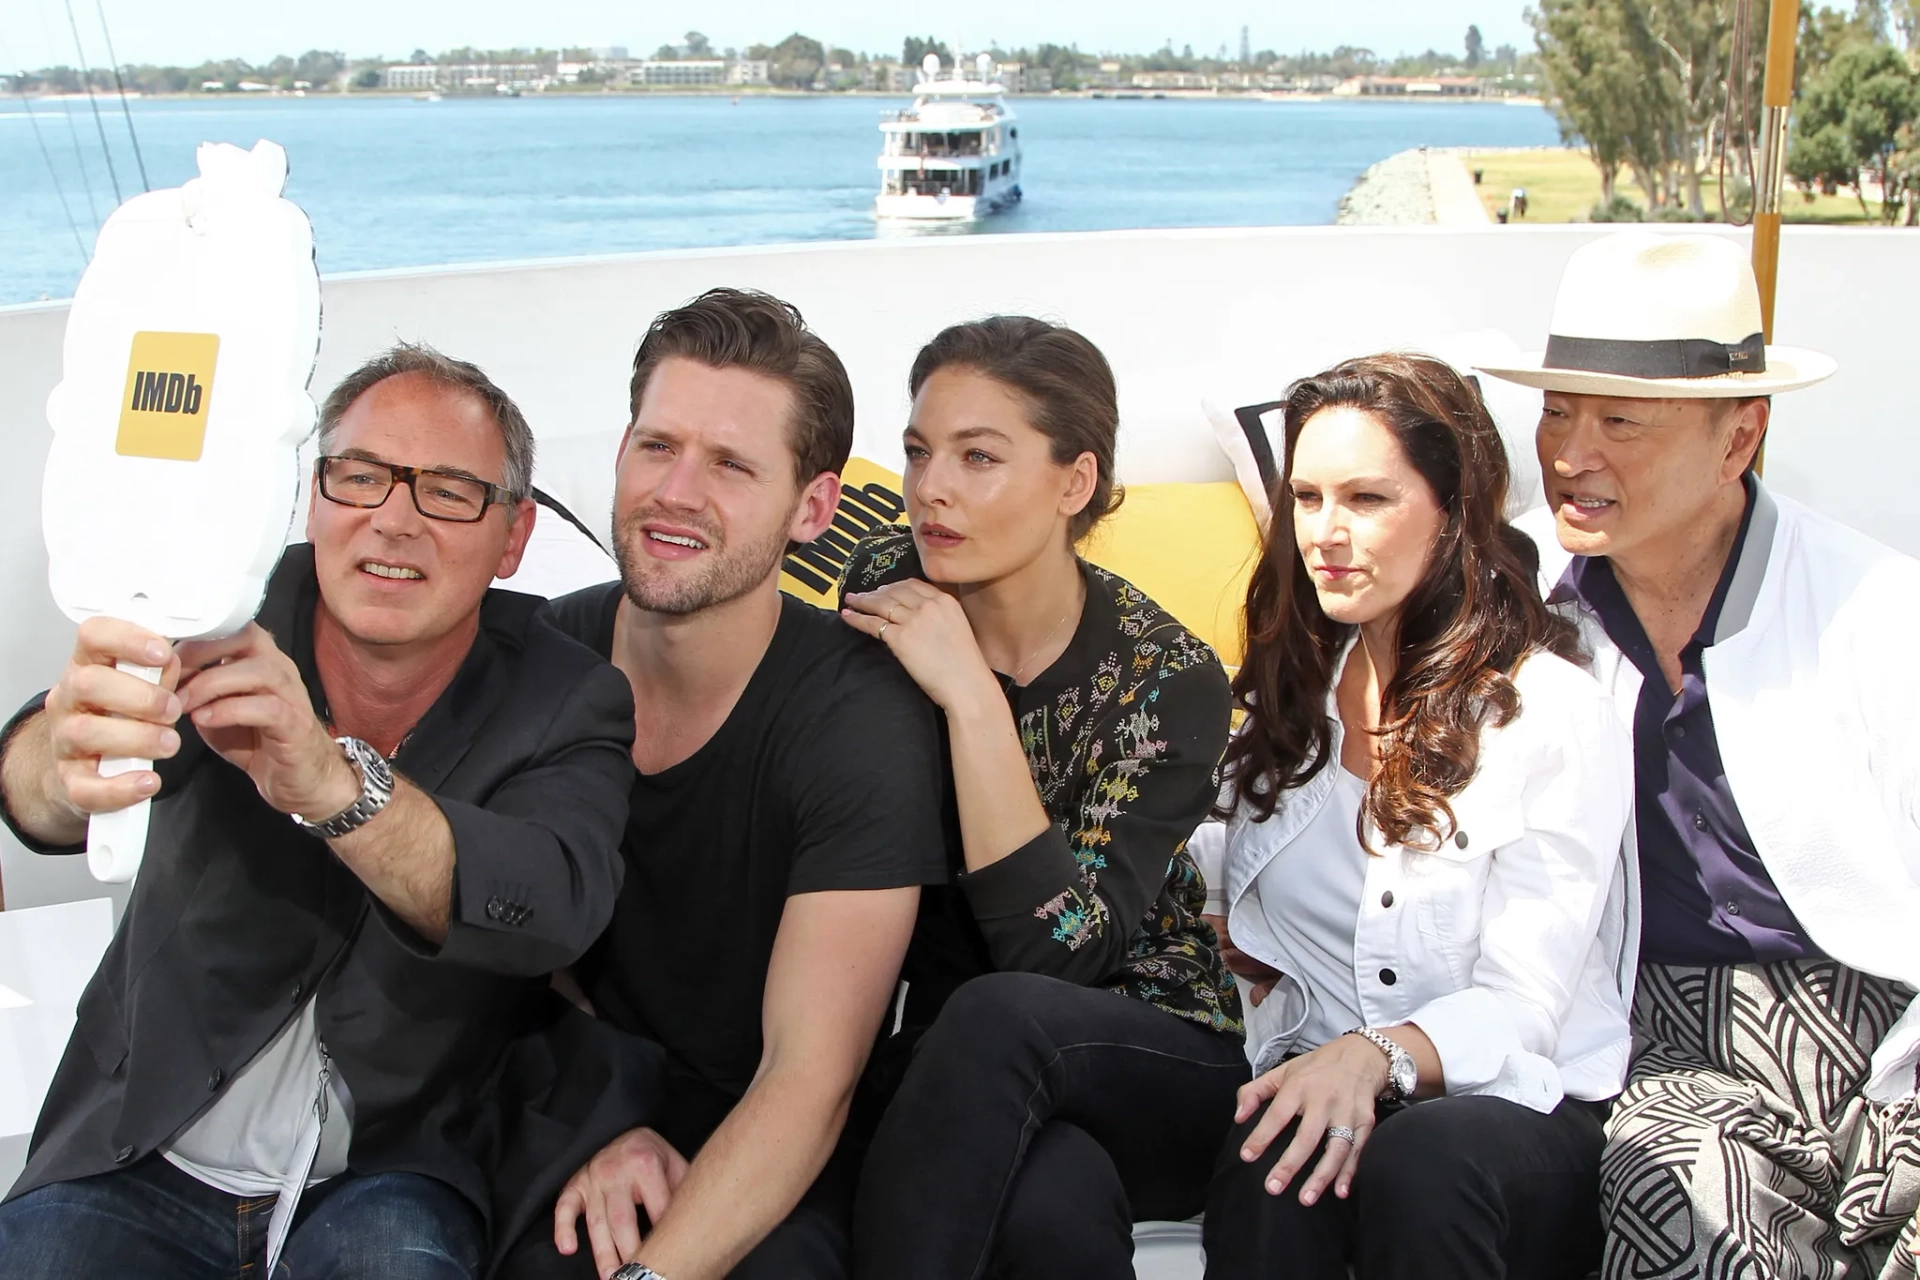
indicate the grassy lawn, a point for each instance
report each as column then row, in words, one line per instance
column 1563, row 185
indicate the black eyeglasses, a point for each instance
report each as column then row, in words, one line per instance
column 437, row 495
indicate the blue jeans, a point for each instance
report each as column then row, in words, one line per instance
column 155, row 1222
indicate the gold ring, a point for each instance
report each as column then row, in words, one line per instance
column 882, row 633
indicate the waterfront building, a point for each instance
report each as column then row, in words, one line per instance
column 749, row 71
column 1108, row 76
column 1019, row 78
column 1171, row 80
column 661, row 73
column 488, row 77
column 888, row 76
column 410, row 76
column 1409, row 87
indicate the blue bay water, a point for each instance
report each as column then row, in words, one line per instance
column 393, row 182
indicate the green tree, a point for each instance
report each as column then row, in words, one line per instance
column 1476, row 46
column 796, row 62
column 319, row 67
column 1905, row 16
column 1903, row 171
column 914, row 49
column 1643, row 82
column 1592, row 83
column 1850, row 119
column 698, row 46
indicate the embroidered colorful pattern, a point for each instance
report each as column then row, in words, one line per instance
column 1097, row 744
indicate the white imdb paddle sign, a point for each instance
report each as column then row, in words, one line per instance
column 177, row 424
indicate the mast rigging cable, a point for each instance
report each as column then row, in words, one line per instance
column 86, row 78
column 52, row 172
column 99, row 7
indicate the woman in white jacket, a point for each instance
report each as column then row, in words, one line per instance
column 1421, row 864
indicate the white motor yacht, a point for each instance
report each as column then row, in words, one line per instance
column 954, row 155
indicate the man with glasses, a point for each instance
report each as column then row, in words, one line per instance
column 383, row 813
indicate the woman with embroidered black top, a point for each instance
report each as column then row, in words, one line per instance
column 1087, row 1080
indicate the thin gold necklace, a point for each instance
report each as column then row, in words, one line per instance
column 1041, row 647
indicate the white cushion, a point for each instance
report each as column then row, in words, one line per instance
column 1515, row 410
column 1168, row 1251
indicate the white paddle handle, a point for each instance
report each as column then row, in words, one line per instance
column 117, row 841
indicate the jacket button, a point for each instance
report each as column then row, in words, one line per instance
column 1386, row 899
column 1459, row 839
column 495, row 908
column 215, row 1080
column 123, row 1155
column 1388, row 977
column 1700, row 821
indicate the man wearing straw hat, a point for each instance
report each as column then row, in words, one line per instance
column 1763, row 656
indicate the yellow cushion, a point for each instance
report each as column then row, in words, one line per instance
column 1191, row 547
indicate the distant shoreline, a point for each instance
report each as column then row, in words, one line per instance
column 749, row 91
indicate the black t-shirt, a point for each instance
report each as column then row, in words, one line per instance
column 826, row 775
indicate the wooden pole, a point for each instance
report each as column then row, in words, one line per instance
column 1783, row 32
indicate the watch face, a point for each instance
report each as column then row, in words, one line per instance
column 1406, row 1076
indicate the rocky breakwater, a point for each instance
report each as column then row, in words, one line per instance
column 1395, row 192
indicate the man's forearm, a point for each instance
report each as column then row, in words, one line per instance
column 748, row 1177
column 27, row 782
column 405, row 855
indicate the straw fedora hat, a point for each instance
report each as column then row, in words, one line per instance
column 1656, row 317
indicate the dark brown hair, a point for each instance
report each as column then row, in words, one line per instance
column 1464, row 629
column 1064, row 380
column 459, row 375
column 747, row 329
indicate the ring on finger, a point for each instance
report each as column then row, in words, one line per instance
column 1339, row 1133
column 882, row 633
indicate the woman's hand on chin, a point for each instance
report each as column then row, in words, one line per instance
column 929, row 633
column 1333, row 1086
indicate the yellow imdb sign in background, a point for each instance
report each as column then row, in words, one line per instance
column 169, row 392
column 1191, row 547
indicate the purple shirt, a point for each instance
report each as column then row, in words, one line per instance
column 1706, row 896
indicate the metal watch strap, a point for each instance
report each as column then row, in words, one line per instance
column 1387, row 1045
column 376, row 789
column 637, row 1271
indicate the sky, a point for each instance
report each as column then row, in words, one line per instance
column 35, row 33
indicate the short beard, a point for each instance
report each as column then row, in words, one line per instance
column 731, row 574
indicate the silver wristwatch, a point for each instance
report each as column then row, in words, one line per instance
column 1403, row 1074
column 376, row 788
column 637, row 1271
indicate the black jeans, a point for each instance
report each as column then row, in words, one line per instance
column 1038, row 1122
column 811, row 1244
column 158, row 1223
column 1464, row 1188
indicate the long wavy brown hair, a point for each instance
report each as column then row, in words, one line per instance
column 1475, row 614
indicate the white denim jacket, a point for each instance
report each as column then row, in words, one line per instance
column 1815, row 692
column 1513, row 945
